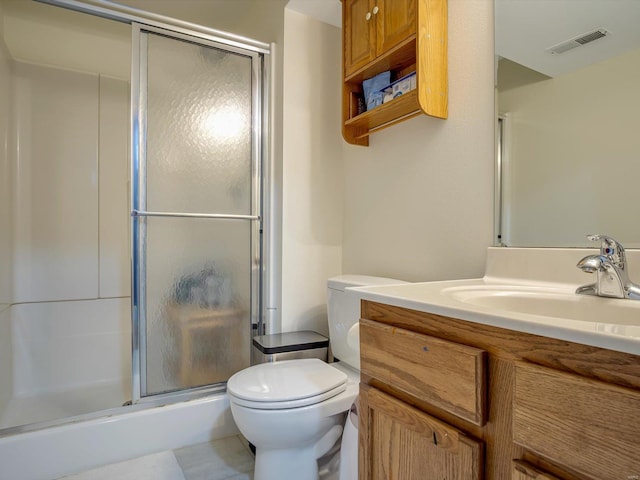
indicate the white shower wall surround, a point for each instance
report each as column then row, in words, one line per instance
column 6, row 359
column 69, row 358
column 65, row 341
column 71, row 162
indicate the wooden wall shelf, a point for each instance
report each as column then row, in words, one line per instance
column 387, row 114
column 403, row 36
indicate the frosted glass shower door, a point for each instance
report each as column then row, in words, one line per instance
column 195, row 211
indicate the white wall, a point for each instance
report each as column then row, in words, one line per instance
column 571, row 136
column 419, row 199
column 312, row 170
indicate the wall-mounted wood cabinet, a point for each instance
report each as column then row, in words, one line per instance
column 461, row 400
column 400, row 36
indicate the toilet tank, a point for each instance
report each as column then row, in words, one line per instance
column 343, row 312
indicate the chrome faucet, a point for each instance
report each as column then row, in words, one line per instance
column 610, row 266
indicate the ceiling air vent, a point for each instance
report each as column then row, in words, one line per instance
column 578, row 41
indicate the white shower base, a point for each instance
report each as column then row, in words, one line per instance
column 54, row 452
column 23, row 410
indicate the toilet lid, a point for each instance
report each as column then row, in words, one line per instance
column 286, row 384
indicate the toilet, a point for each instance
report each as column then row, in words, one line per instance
column 294, row 411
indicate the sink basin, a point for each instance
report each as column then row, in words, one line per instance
column 559, row 303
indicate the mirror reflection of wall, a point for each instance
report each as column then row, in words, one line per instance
column 571, row 148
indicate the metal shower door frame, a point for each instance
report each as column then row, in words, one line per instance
column 259, row 82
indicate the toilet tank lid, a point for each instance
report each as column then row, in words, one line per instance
column 343, row 281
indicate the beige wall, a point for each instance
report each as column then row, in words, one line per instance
column 573, row 155
column 419, row 199
column 47, row 35
column 6, row 187
column 312, row 170
column 261, row 20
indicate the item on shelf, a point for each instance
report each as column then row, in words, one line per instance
column 399, row 87
column 372, row 89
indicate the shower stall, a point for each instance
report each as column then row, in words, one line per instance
column 132, row 266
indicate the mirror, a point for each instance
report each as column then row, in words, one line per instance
column 568, row 99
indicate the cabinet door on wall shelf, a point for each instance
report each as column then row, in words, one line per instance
column 359, row 34
column 395, row 22
column 400, row 442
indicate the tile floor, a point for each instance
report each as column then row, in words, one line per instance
column 224, row 459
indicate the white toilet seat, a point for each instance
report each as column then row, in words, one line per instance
column 286, row 384
column 301, row 402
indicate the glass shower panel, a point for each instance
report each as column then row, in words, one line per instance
column 199, row 128
column 198, row 309
column 196, row 276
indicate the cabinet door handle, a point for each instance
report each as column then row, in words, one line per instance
column 368, row 16
column 375, row 10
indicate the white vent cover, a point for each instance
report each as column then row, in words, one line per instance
column 578, row 41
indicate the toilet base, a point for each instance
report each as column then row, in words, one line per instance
column 284, row 464
column 298, row 464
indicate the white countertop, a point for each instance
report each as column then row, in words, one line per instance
column 436, row 298
column 429, row 297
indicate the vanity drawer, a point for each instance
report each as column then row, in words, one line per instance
column 523, row 471
column 587, row 425
column 445, row 374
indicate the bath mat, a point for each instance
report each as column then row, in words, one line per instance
column 158, row 466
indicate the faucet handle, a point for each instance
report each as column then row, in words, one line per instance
column 610, row 248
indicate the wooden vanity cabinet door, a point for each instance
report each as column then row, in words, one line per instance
column 589, row 426
column 359, row 34
column 400, row 442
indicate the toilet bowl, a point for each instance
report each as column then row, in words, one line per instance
column 294, row 411
column 292, row 427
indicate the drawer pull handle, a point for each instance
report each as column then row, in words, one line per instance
column 435, row 439
column 425, row 349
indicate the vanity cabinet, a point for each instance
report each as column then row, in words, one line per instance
column 485, row 402
column 401, row 36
